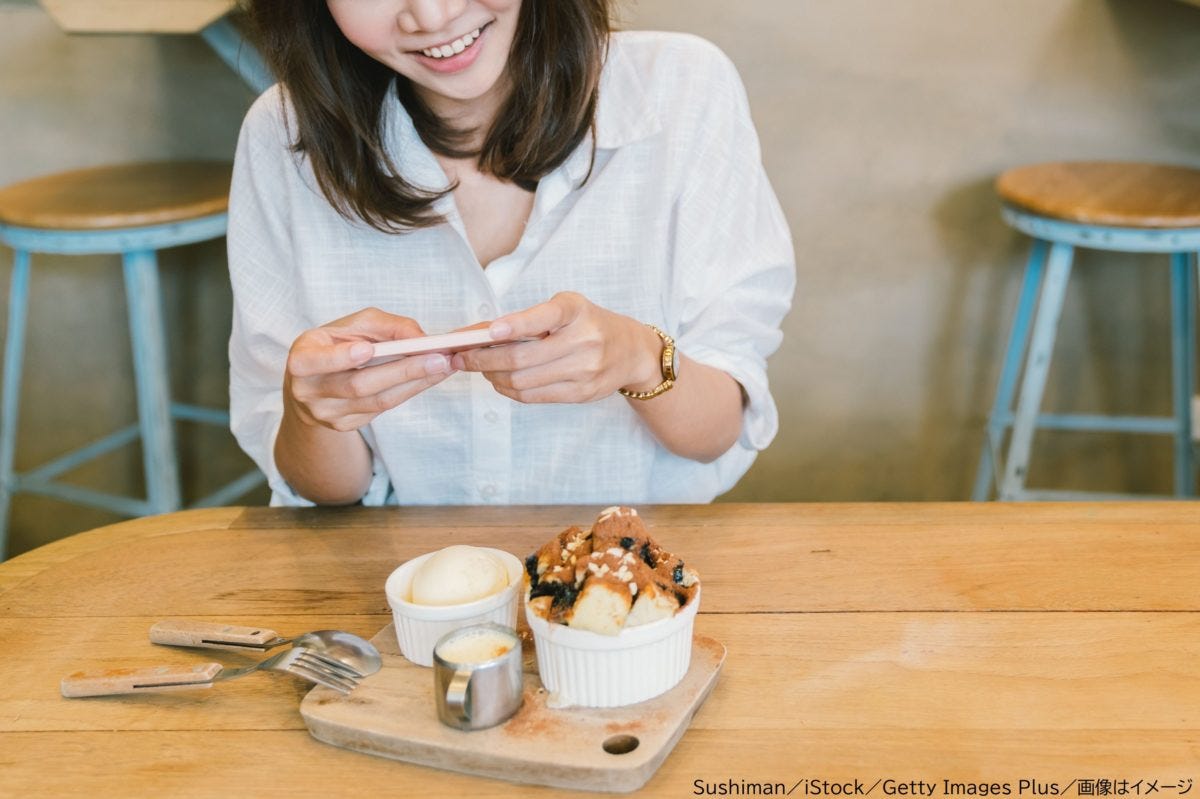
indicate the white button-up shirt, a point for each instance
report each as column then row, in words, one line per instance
column 676, row 226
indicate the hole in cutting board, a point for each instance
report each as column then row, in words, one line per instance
column 621, row 744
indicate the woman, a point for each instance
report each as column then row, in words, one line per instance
column 425, row 165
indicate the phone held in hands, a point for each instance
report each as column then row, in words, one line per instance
column 456, row 341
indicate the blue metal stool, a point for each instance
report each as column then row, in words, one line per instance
column 132, row 210
column 1142, row 208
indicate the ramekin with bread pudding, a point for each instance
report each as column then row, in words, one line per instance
column 611, row 613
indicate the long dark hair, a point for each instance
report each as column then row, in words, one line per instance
column 338, row 94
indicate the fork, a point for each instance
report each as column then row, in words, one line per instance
column 301, row 662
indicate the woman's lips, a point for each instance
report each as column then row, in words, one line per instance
column 459, row 61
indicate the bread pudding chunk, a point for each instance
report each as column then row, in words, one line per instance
column 607, row 578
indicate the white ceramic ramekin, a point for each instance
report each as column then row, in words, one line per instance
column 587, row 669
column 419, row 627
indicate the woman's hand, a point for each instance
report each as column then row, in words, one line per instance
column 582, row 353
column 326, row 385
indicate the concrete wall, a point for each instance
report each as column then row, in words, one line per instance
column 883, row 125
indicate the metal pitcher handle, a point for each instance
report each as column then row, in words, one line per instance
column 458, row 697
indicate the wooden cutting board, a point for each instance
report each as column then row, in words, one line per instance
column 392, row 714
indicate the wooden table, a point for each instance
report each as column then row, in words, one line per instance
column 969, row 642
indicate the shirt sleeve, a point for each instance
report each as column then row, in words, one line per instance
column 733, row 269
column 267, row 311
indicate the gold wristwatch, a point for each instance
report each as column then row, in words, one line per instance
column 670, row 370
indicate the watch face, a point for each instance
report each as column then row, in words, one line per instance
column 675, row 363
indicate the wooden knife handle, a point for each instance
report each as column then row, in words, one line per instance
column 210, row 635
column 136, row 681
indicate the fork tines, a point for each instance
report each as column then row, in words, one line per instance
column 335, row 665
column 318, row 669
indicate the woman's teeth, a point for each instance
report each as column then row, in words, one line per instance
column 454, row 48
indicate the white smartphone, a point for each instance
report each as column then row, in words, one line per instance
column 456, row 341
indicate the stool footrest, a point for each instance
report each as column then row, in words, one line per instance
column 113, row 441
column 125, row 506
column 1050, row 495
column 78, row 457
column 41, row 480
column 130, row 506
column 196, row 413
column 1166, row 425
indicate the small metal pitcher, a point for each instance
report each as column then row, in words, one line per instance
column 477, row 676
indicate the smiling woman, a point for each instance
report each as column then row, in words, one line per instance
column 596, row 201
column 453, row 59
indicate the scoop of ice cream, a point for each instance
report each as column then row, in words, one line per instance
column 457, row 575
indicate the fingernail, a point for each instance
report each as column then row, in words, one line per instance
column 500, row 330
column 361, row 350
column 437, row 363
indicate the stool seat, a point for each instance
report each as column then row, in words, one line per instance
column 121, row 196
column 1113, row 193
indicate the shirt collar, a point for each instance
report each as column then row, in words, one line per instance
column 623, row 112
column 413, row 160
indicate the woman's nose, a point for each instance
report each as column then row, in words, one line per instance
column 420, row 16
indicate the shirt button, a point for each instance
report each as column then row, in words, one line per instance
column 485, row 311
column 488, row 491
column 492, row 417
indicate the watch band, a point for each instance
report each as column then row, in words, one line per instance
column 669, row 375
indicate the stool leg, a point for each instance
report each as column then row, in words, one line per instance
column 1014, row 355
column 153, row 380
column 1037, row 367
column 14, row 352
column 1183, row 378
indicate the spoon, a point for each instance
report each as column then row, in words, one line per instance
column 355, row 652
